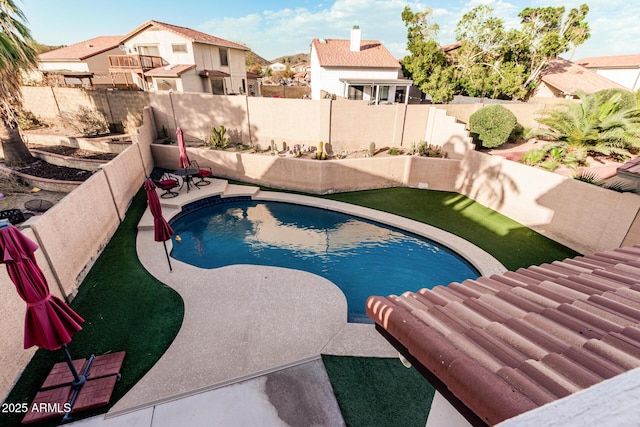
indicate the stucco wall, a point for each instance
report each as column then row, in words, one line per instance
column 581, row 216
column 293, row 121
column 71, row 235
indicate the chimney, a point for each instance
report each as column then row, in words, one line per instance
column 355, row 39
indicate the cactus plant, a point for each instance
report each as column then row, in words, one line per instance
column 372, row 149
column 217, row 138
column 320, row 154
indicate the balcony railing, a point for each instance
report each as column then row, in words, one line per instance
column 134, row 63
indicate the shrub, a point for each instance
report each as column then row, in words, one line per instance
column 217, row 138
column 625, row 99
column 492, row 125
column 27, row 120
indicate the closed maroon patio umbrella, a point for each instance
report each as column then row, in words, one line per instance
column 162, row 229
column 49, row 322
column 184, row 158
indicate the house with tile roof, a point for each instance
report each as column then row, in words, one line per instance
column 564, row 79
column 622, row 69
column 554, row 344
column 356, row 69
column 161, row 57
column 81, row 64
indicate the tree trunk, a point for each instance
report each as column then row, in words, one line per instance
column 15, row 151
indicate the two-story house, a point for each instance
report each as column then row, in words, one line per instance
column 85, row 63
column 356, row 69
column 622, row 69
column 160, row 56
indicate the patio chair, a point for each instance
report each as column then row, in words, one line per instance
column 203, row 173
column 166, row 182
column 15, row 216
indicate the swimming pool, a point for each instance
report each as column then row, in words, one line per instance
column 361, row 257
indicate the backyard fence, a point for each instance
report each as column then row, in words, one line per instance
column 70, row 236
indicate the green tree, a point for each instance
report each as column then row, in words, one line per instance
column 598, row 125
column 549, row 35
column 427, row 65
column 492, row 61
column 16, row 54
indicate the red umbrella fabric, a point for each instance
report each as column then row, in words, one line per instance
column 163, row 230
column 49, row 322
column 184, row 158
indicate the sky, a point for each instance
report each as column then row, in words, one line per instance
column 286, row 27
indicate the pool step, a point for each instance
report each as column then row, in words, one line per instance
column 173, row 206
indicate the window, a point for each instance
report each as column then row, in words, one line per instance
column 224, row 61
column 149, row 50
column 355, row 92
column 179, row 48
column 384, row 93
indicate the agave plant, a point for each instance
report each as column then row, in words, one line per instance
column 599, row 125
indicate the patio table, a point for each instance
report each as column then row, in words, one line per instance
column 187, row 175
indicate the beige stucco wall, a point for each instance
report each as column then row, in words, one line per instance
column 71, row 235
column 74, row 233
column 315, row 176
column 195, row 113
column 294, row 121
column 582, row 216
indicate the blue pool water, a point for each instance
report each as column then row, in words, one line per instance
column 361, row 257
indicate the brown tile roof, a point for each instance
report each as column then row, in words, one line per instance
column 187, row 33
column 618, row 61
column 174, row 71
column 82, row 50
column 336, row 53
column 502, row 345
column 570, row 78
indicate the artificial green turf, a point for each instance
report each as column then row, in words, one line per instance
column 378, row 392
column 511, row 243
column 124, row 307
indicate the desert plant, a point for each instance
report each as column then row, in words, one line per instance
column 85, row 121
column 533, row 157
column 320, row 153
column 372, row 149
column 428, row 150
column 597, row 124
column 553, row 155
column 492, row 125
column 217, row 138
column 393, row 151
column 273, row 148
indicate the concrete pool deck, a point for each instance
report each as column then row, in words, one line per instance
column 245, row 325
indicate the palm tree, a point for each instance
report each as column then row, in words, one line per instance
column 598, row 124
column 16, row 54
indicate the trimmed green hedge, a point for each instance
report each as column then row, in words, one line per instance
column 492, row 125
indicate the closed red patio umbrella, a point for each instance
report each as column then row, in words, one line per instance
column 162, row 229
column 49, row 322
column 184, row 158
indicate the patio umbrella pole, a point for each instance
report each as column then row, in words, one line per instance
column 78, row 380
column 167, row 254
